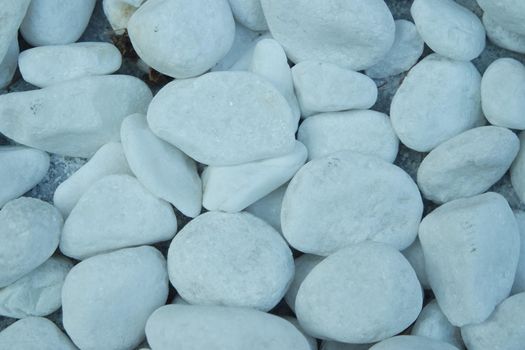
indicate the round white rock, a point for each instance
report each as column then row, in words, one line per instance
column 502, row 37
column 411, row 342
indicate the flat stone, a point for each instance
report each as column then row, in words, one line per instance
column 48, row 65
column 118, row 13
column 414, row 255
column 12, row 14
column 361, row 294
column 502, row 37
column 232, row 260
column 9, row 64
column 34, row 333
column 411, row 342
column 170, row 175
column 519, row 280
column 352, row 34
column 21, row 168
column 29, row 232
column 233, row 188
column 116, row 212
column 462, row 240
column 303, row 266
column 219, row 123
column 438, row 99
column 73, row 118
column 249, row 13
column 517, row 171
column 318, row 196
column 509, row 13
column 268, row 208
column 107, row 299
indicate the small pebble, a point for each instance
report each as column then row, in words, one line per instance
column 508, row 13
column 34, row 333
column 268, row 208
column 503, row 37
column 303, row 265
column 517, row 171
column 249, row 13
column 118, row 13
column 12, row 13
column 411, row 342
column 519, row 280
column 414, row 255
column 8, row 64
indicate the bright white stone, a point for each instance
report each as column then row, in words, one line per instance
column 54, row 22
column 404, row 53
column 517, row 171
column 73, row 118
column 21, row 168
column 502, row 330
column 411, row 342
column 8, row 64
column 366, row 132
column 182, row 38
column 508, row 13
column 268, row 208
column 502, row 37
column 107, row 299
column 108, row 160
column 361, row 294
column 116, row 212
column 213, row 120
column 438, row 99
column 303, row 265
column 118, row 13
column 414, row 255
column 519, row 280
column 432, row 323
column 449, row 29
column 467, row 164
column 335, row 345
column 312, row 342
column 471, row 248
column 169, row 174
column 29, row 232
column 318, row 197
column 232, row 260
column 325, row 87
column 503, row 93
column 34, row 333
column 38, row 293
column 225, row 328
column 353, row 34
column 270, row 62
column 12, row 13
column 48, row 65
column 244, row 61
column 233, row 188
column 249, row 13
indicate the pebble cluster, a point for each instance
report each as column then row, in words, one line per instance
column 260, row 198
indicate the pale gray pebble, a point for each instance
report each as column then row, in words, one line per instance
column 34, row 333
column 303, row 265
column 364, row 131
column 268, row 208
column 38, row 293
column 107, row 299
column 335, row 345
column 226, row 328
column 245, row 57
column 462, row 240
column 502, row 37
column 29, row 232
column 54, row 22
column 517, row 170
column 363, row 293
column 414, row 255
column 467, row 164
column 519, row 280
column 326, row 87
column 504, row 329
column 12, row 13
column 232, row 260
column 179, row 300
column 118, row 13
column 508, row 13
column 412, row 342
column 249, row 13
column 312, row 342
column 9, row 63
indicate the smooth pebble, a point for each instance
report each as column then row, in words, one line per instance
column 414, row 255
column 118, row 13
column 303, row 265
column 517, row 170
column 508, row 13
column 519, row 280
column 312, row 342
column 34, row 333
column 249, row 13
column 502, row 37
column 9, row 64
column 412, row 342
column 12, row 13
column 268, row 208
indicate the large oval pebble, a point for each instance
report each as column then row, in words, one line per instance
column 249, row 13
column 213, row 120
column 34, row 333
column 412, row 342
column 230, row 259
column 361, row 294
column 12, row 14
column 509, row 13
column 347, row 192
column 502, row 37
column 303, row 265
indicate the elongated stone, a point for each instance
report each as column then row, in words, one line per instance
column 9, row 63
column 34, row 333
column 12, row 13
column 502, row 37
column 509, row 13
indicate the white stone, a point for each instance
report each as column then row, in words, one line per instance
column 411, row 342
column 318, row 197
column 432, row 323
column 303, row 265
column 471, row 248
column 404, row 53
column 214, row 121
column 517, row 171
column 54, row 22
column 519, row 280
column 509, row 13
column 502, row 37
column 312, row 342
column 438, row 99
column 118, row 13
column 9, row 64
column 244, row 61
column 12, row 13
column 270, row 62
column 268, row 208
column 34, row 333
column 29, row 232
column 116, row 212
column 335, row 345
column 249, row 13
column 467, row 164
column 361, row 294
column 169, row 174
column 504, row 329
column 48, row 65
column 108, row 160
column 233, row 188
column 364, row 131
column 503, row 93
column 232, row 260
column 325, row 87
column 73, row 118
column 449, row 29
column 414, row 255
column 214, row 327
column 182, row 38
column 21, row 168
column 107, row 299
column 353, row 34
column 39, row 293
